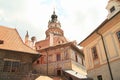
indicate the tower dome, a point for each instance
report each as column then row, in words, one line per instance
column 53, row 17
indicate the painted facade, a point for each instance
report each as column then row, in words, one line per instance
column 102, row 44
column 58, row 54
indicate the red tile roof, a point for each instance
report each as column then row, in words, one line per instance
column 43, row 43
column 12, row 41
column 46, row 43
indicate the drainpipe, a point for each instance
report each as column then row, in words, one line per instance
column 47, row 61
column 109, row 67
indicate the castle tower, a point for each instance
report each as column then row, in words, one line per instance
column 26, row 38
column 54, row 27
column 54, row 32
column 57, row 52
column 30, row 43
column 113, row 7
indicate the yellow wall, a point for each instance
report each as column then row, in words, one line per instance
column 112, row 46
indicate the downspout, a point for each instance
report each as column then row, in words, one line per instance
column 109, row 67
column 47, row 62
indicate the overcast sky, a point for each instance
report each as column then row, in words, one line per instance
column 78, row 18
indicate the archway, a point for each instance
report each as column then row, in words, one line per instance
column 70, row 78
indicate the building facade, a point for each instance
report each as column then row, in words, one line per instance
column 15, row 57
column 102, row 47
column 58, row 54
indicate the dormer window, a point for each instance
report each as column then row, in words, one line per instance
column 112, row 9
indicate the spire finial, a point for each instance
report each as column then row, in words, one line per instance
column 54, row 11
column 27, row 35
column 54, row 16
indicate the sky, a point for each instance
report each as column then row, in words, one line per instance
column 78, row 18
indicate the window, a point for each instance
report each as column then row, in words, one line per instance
column 50, row 58
column 39, row 47
column 42, row 60
column 11, row 66
column 59, row 42
column 118, row 35
column 66, row 56
column 99, row 77
column 58, row 57
column 112, row 9
column 82, row 61
column 38, row 61
column 94, row 53
column 1, row 41
column 76, row 58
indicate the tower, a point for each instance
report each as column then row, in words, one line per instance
column 56, row 50
column 30, row 43
column 54, row 27
column 54, row 32
column 113, row 7
column 26, row 38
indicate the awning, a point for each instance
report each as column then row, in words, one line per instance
column 76, row 74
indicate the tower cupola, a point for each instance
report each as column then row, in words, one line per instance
column 54, row 26
column 26, row 37
column 54, row 17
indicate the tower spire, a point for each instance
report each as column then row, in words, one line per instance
column 54, row 10
column 54, row 16
column 26, row 37
column 54, row 26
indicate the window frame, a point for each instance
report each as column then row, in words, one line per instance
column 50, row 58
column 58, row 57
column 99, row 77
column 118, row 35
column 76, row 57
column 112, row 9
column 10, row 66
column 66, row 55
column 94, row 52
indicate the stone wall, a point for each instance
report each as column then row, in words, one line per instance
column 52, row 67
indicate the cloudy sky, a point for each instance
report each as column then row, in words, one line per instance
column 78, row 18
